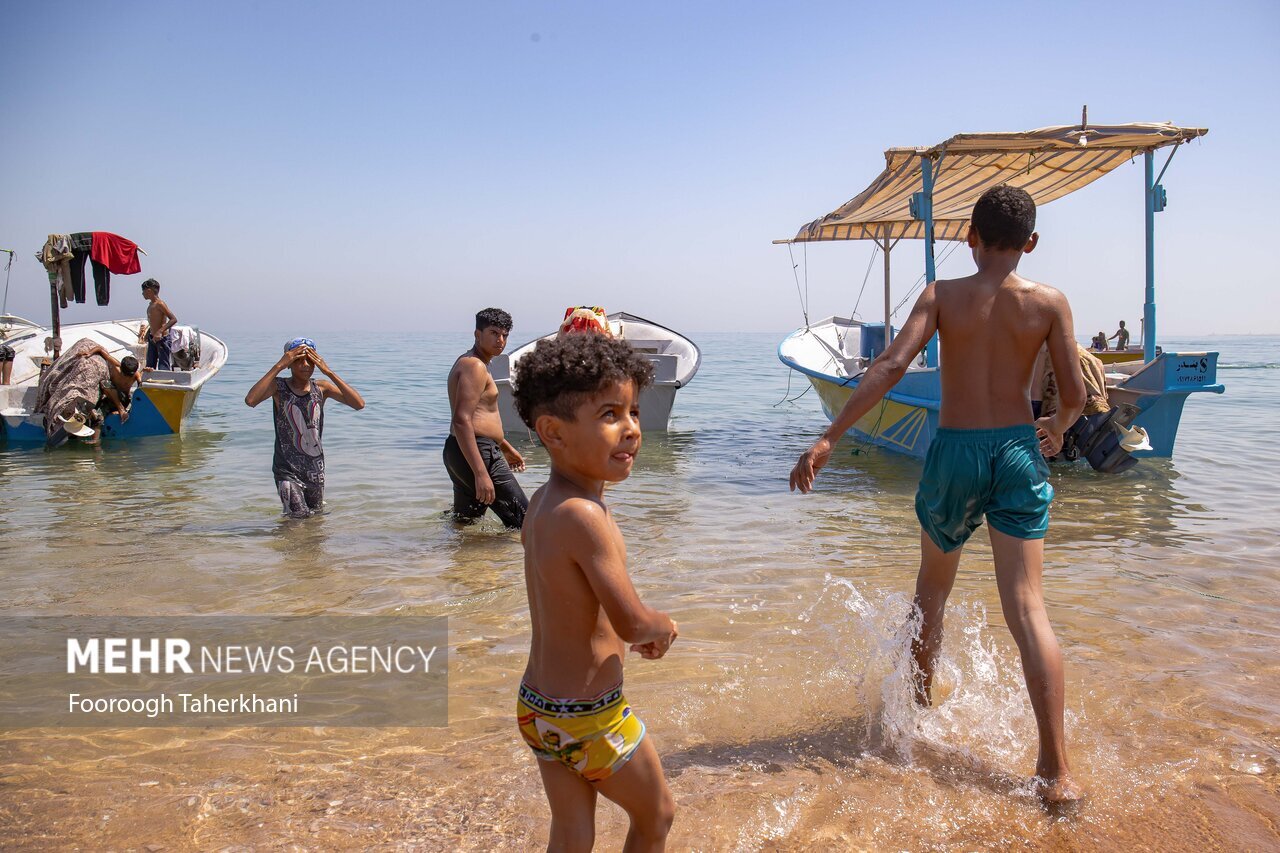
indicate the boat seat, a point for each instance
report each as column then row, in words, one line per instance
column 649, row 347
column 664, row 366
column 167, row 377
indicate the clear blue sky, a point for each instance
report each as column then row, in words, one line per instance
column 301, row 167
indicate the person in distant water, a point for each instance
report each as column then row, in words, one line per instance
column 7, row 355
column 581, row 395
column 1100, row 341
column 988, row 457
column 477, row 455
column 298, row 405
column 159, row 321
column 1121, row 337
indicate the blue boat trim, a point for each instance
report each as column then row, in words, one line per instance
column 144, row 420
column 1159, row 390
column 852, row 381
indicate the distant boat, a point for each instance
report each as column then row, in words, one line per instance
column 165, row 398
column 928, row 194
column 674, row 357
column 1114, row 356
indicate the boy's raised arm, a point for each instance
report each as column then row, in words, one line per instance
column 882, row 375
column 337, row 389
column 594, row 547
column 265, row 388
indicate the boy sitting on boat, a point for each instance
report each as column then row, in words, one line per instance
column 580, row 393
column 988, row 456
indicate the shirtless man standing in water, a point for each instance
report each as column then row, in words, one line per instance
column 988, row 454
column 479, row 459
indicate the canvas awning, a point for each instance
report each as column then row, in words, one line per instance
column 1048, row 163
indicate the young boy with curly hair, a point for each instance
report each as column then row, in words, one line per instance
column 581, row 395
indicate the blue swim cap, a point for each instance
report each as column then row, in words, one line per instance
column 299, row 342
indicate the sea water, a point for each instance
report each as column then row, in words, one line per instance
column 783, row 714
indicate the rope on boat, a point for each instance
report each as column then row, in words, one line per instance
column 785, row 399
column 864, row 447
column 866, row 276
column 920, row 281
column 804, row 297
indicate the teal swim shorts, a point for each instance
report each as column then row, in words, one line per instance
column 999, row 473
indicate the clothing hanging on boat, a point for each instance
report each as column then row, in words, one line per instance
column 110, row 253
column 81, row 244
column 101, row 278
column 56, row 256
column 117, row 254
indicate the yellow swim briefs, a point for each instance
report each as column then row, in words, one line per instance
column 592, row 737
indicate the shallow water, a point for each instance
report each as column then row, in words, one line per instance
column 782, row 714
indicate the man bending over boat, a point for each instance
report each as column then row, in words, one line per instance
column 479, row 459
column 298, row 404
column 988, row 456
column 82, row 387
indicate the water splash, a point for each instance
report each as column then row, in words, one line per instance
column 980, row 713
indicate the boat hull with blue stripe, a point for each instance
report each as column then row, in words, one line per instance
column 159, row 407
column 834, row 353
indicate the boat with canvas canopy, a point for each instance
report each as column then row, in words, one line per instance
column 928, row 194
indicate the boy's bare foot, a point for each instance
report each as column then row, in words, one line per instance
column 1060, row 797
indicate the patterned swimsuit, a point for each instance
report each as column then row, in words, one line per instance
column 298, row 464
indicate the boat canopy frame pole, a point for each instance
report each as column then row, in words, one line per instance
column 1156, row 199
column 922, row 208
column 1149, row 306
column 886, row 245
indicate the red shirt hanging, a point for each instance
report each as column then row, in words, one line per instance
column 114, row 252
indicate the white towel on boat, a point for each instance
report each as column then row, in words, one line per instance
column 179, row 337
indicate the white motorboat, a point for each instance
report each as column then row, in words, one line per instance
column 166, row 397
column 674, row 357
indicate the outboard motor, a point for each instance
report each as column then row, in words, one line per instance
column 1099, row 440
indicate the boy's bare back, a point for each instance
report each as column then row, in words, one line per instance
column 575, row 649
column 991, row 330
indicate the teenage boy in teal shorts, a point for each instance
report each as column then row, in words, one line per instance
column 987, row 457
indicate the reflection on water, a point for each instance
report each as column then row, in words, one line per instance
column 782, row 714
